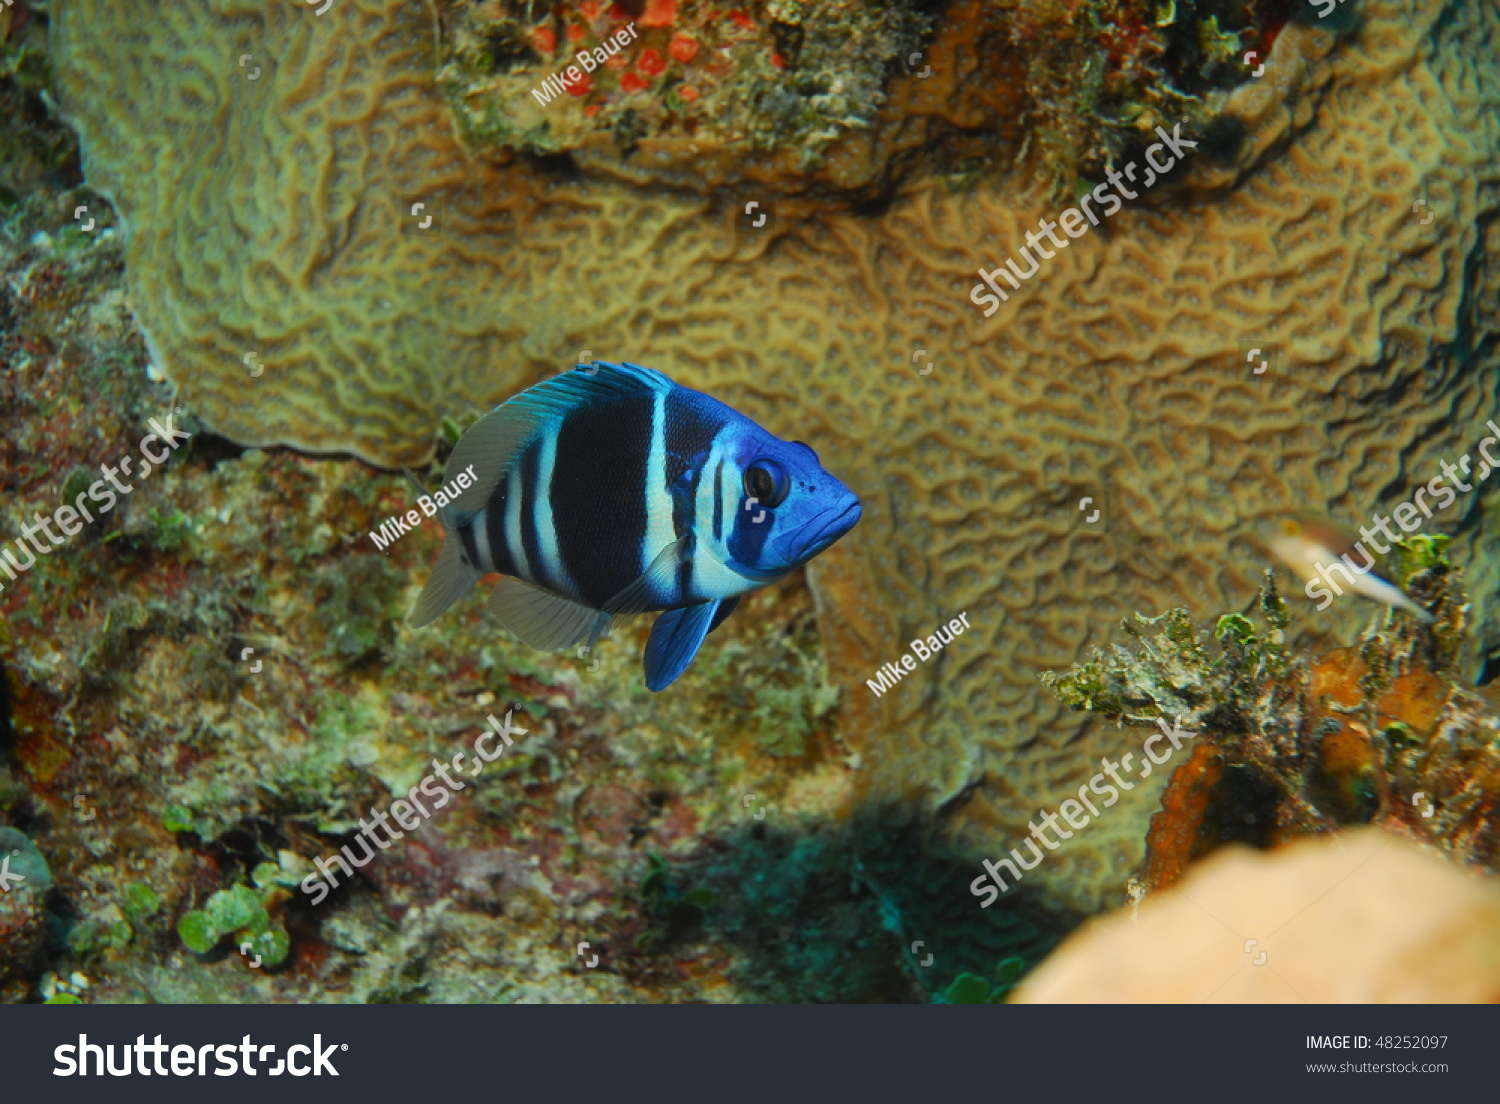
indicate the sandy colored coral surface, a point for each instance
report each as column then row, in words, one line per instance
column 1361, row 918
column 274, row 216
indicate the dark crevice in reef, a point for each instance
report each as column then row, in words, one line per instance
column 7, row 729
column 1223, row 139
column 1489, row 670
column 561, row 167
column 1238, row 815
column 17, row 807
column 834, row 915
column 876, row 205
column 211, row 450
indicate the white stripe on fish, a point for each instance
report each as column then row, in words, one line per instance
column 546, row 530
column 658, row 501
column 480, row 528
column 514, row 544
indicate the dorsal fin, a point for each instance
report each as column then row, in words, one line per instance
column 492, row 444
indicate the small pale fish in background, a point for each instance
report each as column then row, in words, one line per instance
column 1309, row 544
column 609, row 491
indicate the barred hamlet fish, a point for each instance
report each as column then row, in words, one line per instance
column 610, row 491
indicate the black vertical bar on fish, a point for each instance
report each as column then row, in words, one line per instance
column 690, row 437
column 599, row 494
column 466, row 533
column 495, row 529
column 718, row 501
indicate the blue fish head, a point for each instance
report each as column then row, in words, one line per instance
column 789, row 507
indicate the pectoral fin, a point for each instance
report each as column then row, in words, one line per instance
column 675, row 640
column 652, row 588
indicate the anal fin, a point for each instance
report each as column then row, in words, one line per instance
column 543, row 620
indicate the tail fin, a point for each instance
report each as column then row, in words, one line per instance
column 451, row 579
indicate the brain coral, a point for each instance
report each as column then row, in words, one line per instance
column 274, row 216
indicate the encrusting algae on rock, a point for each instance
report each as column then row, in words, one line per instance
column 693, row 88
column 1383, row 733
column 790, row 95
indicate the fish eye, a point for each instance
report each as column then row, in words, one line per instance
column 766, row 482
column 1289, row 527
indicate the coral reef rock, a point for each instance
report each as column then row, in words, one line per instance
column 279, row 217
column 23, row 925
column 1380, row 734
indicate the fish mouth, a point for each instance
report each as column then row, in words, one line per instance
column 806, row 541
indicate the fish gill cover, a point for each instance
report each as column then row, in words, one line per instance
column 332, row 232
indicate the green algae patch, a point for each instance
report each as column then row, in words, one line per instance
column 973, row 989
column 179, row 818
column 242, row 913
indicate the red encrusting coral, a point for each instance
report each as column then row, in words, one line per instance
column 659, row 13
column 683, row 47
column 1174, row 838
column 651, row 63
